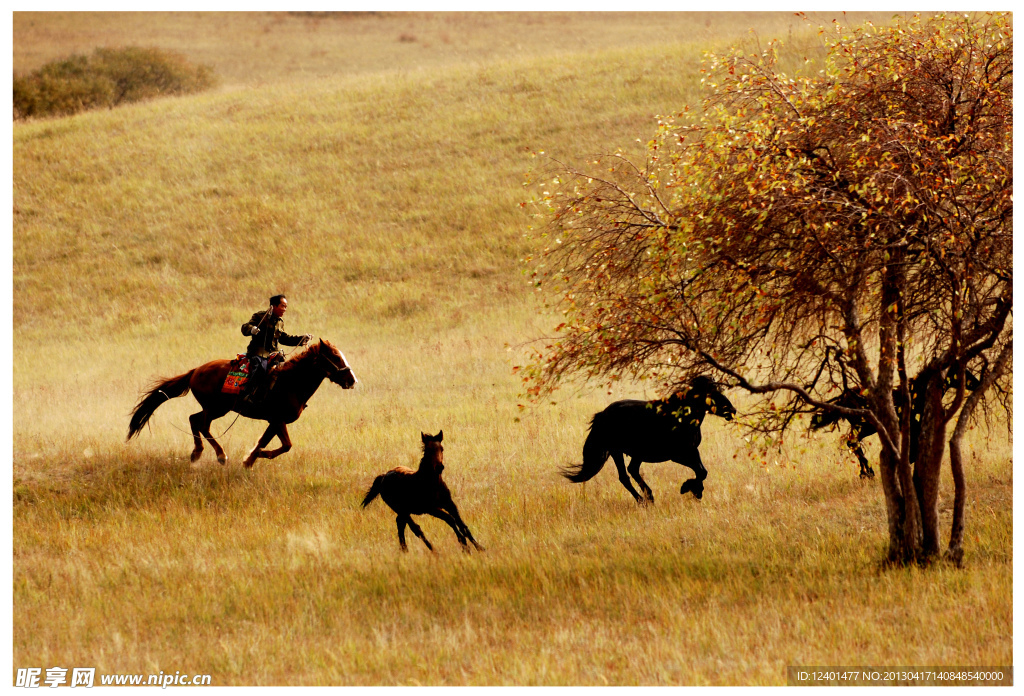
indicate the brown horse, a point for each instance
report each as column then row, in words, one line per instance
column 421, row 492
column 296, row 381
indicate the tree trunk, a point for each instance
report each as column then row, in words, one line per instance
column 901, row 546
column 955, row 551
column 927, row 469
column 901, row 498
column 904, row 514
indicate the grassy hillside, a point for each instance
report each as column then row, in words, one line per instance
column 393, row 178
column 259, row 48
column 384, row 199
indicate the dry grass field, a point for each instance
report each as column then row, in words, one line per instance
column 371, row 166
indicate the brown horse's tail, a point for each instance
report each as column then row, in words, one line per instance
column 161, row 392
column 595, row 454
column 374, row 490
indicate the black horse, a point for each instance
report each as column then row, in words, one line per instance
column 861, row 428
column 653, row 431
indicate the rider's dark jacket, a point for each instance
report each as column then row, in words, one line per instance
column 265, row 342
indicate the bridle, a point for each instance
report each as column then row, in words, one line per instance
column 721, row 403
column 338, row 369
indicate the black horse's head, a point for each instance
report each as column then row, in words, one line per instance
column 706, row 390
column 820, row 420
column 971, row 382
column 823, row 419
column 850, row 398
column 332, row 362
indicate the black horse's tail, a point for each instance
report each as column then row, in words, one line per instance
column 374, row 491
column 161, row 392
column 595, row 454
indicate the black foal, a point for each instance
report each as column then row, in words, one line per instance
column 421, row 492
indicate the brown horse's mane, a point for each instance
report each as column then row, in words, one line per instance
column 291, row 363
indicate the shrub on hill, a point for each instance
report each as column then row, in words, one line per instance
column 108, row 78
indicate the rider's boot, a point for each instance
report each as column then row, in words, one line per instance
column 252, row 392
column 262, row 389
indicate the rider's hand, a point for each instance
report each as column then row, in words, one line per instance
column 305, row 339
column 255, row 330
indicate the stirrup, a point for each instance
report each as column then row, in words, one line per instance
column 251, row 395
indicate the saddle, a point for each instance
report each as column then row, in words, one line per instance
column 238, row 375
column 247, row 381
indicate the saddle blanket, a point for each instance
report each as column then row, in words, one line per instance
column 238, row 375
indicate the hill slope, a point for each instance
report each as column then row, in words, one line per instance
column 260, row 48
column 326, row 189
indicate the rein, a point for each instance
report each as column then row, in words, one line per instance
column 191, row 434
column 337, row 368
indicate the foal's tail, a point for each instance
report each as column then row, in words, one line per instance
column 161, row 392
column 374, row 490
column 595, row 454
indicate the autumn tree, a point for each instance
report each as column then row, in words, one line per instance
column 846, row 225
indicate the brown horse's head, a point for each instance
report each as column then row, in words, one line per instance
column 332, row 362
column 433, row 453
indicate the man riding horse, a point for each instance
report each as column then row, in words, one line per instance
column 266, row 329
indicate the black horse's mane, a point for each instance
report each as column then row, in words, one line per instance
column 700, row 384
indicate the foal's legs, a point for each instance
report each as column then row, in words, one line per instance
column 454, row 511
column 450, row 521
column 620, row 464
column 402, row 521
column 417, row 531
column 692, row 460
column 450, row 514
column 634, row 471
column 200, row 423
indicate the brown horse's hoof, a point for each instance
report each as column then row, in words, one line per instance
column 222, row 460
column 196, row 454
